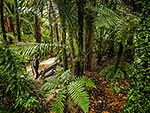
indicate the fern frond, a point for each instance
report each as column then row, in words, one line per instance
column 78, row 95
column 57, row 106
column 58, row 103
column 87, row 82
column 50, row 87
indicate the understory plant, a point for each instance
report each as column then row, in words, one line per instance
column 68, row 91
column 138, row 100
column 17, row 90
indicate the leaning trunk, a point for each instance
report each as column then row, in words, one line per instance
column 17, row 20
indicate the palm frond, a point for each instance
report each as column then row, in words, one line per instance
column 40, row 48
column 105, row 17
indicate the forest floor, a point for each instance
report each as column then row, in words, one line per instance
column 102, row 98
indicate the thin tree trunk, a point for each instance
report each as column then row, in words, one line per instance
column 50, row 11
column 56, row 32
column 2, row 21
column 65, row 65
column 63, row 26
column 9, row 27
column 56, row 35
column 89, row 35
column 37, row 29
column 17, row 20
column 111, row 43
column 119, row 56
column 71, row 42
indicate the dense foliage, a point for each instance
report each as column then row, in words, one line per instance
column 139, row 91
column 17, row 90
column 113, row 33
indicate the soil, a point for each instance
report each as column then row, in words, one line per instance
column 102, row 98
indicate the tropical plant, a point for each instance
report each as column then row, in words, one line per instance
column 138, row 93
column 68, row 91
column 17, row 89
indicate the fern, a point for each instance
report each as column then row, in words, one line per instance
column 68, row 90
column 78, row 95
column 121, row 72
column 87, row 82
column 107, row 71
column 57, row 106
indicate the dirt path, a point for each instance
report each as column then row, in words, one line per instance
column 42, row 65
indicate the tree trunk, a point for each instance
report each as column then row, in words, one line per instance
column 17, row 20
column 57, row 35
column 119, row 56
column 2, row 21
column 63, row 28
column 71, row 42
column 111, row 43
column 79, row 62
column 65, row 65
column 37, row 29
column 89, row 43
column 50, row 11
column 56, row 32
column 9, row 27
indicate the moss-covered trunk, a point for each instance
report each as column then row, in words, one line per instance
column 63, row 41
column 80, row 58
